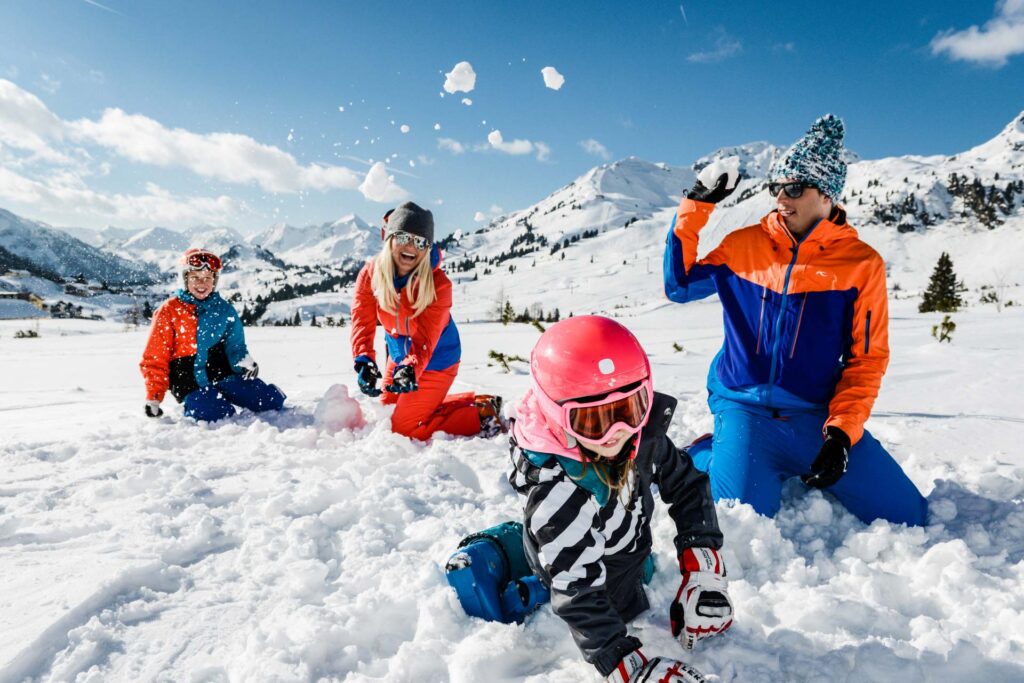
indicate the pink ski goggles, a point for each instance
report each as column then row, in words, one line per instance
column 593, row 421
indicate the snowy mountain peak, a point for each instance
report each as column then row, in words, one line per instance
column 157, row 238
column 348, row 237
column 755, row 158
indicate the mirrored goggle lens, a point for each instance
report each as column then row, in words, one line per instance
column 200, row 261
column 404, row 238
column 593, row 422
column 792, row 190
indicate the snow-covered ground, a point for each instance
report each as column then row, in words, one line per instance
column 271, row 548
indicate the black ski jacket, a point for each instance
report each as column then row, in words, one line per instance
column 591, row 554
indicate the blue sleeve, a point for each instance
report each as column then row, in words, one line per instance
column 681, row 286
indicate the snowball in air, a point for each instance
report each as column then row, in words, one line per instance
column 552, row 78
column 462, row 78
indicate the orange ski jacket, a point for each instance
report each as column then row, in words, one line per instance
column 806, row 322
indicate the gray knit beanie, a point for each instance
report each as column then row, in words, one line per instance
column 816, row 158
column 412, row 219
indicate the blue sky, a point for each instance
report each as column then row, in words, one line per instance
column 180, row 113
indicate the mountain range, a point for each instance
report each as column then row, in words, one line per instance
column 910, row 208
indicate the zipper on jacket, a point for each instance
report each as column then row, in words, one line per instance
column 867, row 332
column 778, row 319
column 760, row 321
column 800, row 319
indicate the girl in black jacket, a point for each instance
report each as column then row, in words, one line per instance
column 589, row 442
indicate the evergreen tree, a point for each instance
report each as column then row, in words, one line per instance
column 507, row 314
column 313, row 322
column 147, row 310
column 297, row 320
column 943, row 293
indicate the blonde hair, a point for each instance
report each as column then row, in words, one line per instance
column 420, row 289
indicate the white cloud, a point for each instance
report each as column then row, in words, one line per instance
column 515, row 147
column 543, row 151
column 552, row 78
column 437, row 126
column 63, row 196
column 26, row 124
column 518, row 147
column 725, row 46
column 462, row 78
column 453, row 146
column 229, row 157
column 468, row 102
column 49, row 83
column 493, row 212
column 991, row 45
column 380, row 187
column 592, row 146
column 404, row 128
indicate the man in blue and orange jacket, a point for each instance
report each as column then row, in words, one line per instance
column 806, row 339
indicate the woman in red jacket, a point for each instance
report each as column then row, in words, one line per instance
column 405, row 289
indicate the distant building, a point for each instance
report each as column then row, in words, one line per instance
column 76, row 289
column 24, row 296
column 16, row 309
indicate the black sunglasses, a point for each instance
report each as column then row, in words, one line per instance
column 793, row 190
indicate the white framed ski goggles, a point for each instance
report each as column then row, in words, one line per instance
column 594, row 420
column 404, row 238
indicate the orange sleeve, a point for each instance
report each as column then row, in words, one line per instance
column 364, row 315
column 690, row 218
column 430, row 324
column 857, row 389
column 156, row 358
column 685, row 277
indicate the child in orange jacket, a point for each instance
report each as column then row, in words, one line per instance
column 197, row 349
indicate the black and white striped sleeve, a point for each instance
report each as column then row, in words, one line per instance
column 563, row 520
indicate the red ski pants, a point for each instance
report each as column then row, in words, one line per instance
column 429, row 409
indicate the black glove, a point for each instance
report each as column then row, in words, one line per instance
column 830, row 465
column 153, row 409
column 403, row 380
column 720, row 191
column 368, row 373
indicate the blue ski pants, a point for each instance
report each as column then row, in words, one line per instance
column 755, row 449
column 214, row 402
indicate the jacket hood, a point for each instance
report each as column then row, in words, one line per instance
column 531, row 431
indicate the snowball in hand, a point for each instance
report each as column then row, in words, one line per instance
column 709, row 175
column 337, row 410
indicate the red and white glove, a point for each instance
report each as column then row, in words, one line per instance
column 702, row 607
column 635, row 667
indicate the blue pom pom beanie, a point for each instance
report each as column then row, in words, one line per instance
column 816, row 158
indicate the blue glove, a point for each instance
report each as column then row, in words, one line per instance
column 403, row 380
column 367, row 373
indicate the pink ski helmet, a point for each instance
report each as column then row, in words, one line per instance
column 591, row 376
